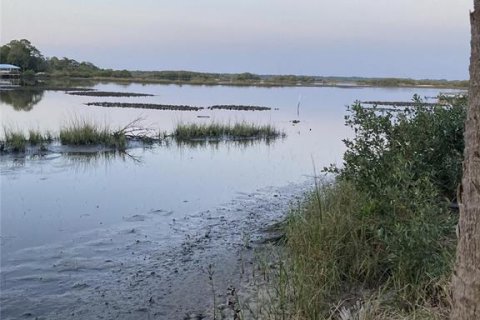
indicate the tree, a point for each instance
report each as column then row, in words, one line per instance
column 466, row 277
column 23, row 54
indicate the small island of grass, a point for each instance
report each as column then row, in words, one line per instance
column 217, row 131
column 82, row 133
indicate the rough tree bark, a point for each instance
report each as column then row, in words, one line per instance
column 466, row 277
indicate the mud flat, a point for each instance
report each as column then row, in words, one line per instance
column 144, row 106
column 136, row 272
column 163, row 106
column 239, row 108
column 92, row 93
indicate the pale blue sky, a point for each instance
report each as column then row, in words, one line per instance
column 407, row 38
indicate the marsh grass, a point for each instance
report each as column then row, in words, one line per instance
column 35, row 137
column 342, row 261
column 85, row 133
column 15, row 140
column 220, row 131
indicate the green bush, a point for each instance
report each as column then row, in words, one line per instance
column 426, row 141
column 383, row 229
column 409, row 164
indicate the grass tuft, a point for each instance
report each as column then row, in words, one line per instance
column 342, row 261
column 15, row 140
column 82, row 132
column 225, row 131
column 36, row 137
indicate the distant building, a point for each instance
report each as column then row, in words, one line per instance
column 9, row 71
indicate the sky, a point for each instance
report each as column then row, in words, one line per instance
column 372, row 38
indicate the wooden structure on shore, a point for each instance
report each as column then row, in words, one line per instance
column 9, row 71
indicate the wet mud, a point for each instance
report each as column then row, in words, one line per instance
column 144, row 106
column 239, row 108
column 168, row 106
column 135, row 271
column 93, row 93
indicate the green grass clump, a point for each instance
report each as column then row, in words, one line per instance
column 225, row 131
column 340, row 249
column 81, row 133
column 15, row 140
column 36, row 137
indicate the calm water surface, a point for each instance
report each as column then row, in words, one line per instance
column 53, row 198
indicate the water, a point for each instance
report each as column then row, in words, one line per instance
column 64, row 209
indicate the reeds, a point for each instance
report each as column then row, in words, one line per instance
column 82, row 132
column 85, row 133
column 341, row 259
column 15, row 140
column 35, row 137
column 218, row 131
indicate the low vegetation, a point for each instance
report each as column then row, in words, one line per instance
column 218, row 131
column 406, row 82
column 14, row 140
column 35, row 137
column 17, row 141
column 379, row 241
column 88, row 133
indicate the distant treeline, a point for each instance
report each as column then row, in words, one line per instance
column 23, row 54
column 221, row 78
column 402, row 82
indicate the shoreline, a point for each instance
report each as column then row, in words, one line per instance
column 262, row 83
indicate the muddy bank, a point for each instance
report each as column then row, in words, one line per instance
column 144, row 106
column 169, row 106
column 239, row 108
column 55, row 88
column 93, row 93
column 134, row 271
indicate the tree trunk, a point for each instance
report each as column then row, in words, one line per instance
column 466, row 277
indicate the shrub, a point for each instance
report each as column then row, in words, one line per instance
column 426, row 141
column 383, row 226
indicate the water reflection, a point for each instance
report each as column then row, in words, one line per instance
column 21, row 99
column 216, row 143
column 83, row 161
column 68, row 83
